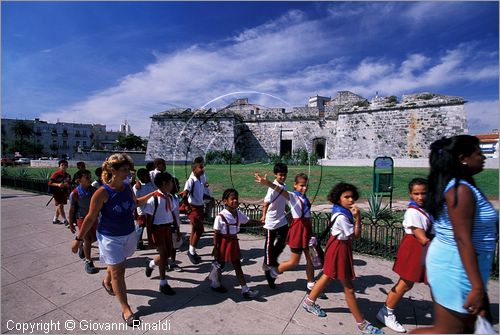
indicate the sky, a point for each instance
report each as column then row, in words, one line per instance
column 107, row 62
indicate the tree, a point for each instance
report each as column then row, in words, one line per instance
column 22, row 131
column 131, row 142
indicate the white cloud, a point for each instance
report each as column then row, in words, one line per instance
column 291, row 57
column 482, row 116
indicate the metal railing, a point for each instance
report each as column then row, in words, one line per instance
column 379, row 239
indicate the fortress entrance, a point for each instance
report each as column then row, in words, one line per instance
column 319, row 147
column 286, row 142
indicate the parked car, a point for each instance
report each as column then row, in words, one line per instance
column 23, row 160
column 6, row 161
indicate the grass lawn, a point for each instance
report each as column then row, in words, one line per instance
column 321, row 180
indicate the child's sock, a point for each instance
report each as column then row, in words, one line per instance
column 244, row 288
column 308, row 301
column 390, row 311
column 152, row 264
column 192, row 250
column 310, row 285
column 56, row 217
column 163, row 282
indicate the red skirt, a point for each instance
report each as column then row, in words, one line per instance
column 339, row 263
column 299, row 233
column 229, row 250
column 409, row 264
column 162, row 236
column 196, row 216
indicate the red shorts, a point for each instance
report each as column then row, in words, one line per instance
column 162, row 236
column 229, row 250
column 141, row 220
column 60, row 196
column 196, row 216
column 299, row 233
column 91, row 232
column 409, row 263
column 339, row 263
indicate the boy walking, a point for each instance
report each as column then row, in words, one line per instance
column 60, row 182
column 79, row 200
column 275, row 222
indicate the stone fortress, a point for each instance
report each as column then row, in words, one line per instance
column 345, row 127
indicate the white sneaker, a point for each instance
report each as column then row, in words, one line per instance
column 390, row 321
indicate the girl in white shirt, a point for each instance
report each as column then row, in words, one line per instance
column 346, row 224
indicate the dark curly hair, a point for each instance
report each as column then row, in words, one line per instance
column 228, row 192
column 338, row 189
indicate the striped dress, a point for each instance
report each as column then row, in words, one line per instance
column 446, row 274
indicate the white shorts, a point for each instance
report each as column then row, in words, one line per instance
column 115, row 249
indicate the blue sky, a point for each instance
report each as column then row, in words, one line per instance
column 104, row 62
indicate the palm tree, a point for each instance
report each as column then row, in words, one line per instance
column 22, row 131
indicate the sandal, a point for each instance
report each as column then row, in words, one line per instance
column 108, row 290
column 131, row 321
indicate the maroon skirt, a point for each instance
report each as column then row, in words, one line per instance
column 229, row 250
column 409, row 264
column 339, row 263
column 299, row 233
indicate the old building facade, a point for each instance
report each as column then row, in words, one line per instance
column 344, row 127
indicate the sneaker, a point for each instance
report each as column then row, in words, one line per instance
column 321, row 296
column 250, row 294
column 368, row 328
column 166, row 289
column 219, row 289
column 81, row 253
column 270, row 280
column 56, row 221
column 390, row 320
column 90, row 268
column 176, row 267
column 148, row 271
column 195, row 259
column 314, row 309
column 66, row 223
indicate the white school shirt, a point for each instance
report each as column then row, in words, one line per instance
column 152, row 175
column 413, row 218
column 145, row 189
column 296, row 206
column 220, row 225
column 195, row 197
column 162, row 215
column 275, row 216
column 342, row 227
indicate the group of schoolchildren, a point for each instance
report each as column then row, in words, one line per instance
column 161, row 218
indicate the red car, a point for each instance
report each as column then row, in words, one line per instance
column 6, row 161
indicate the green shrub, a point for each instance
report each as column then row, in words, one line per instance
column 222, row 157
column 376, row 212
column 298, row 157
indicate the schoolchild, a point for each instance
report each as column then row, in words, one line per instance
column 159, row 210
column 346, row 224
column 196, row 189
column 226, row 247
column 275, row 222
column 60, row 182
column 159, row 166
column 300, row 231
column 98, row 182
column 176, row 238
column 409, row 264
column 147, row 187
column 79, row 200
column 81, row 167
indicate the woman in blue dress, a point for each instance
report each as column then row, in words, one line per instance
column 460, row 257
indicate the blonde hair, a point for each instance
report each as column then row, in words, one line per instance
column 115, row 161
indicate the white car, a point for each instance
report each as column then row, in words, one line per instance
column 23, row 160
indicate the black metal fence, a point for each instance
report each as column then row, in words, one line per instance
column 379, row 239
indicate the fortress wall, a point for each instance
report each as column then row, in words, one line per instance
column 176, row 139
column 397, row 133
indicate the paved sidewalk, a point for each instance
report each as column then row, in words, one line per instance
column 44, row 285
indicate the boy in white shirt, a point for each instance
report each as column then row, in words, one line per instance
column 160, row 211
column 146, row 187
column 275, row 222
